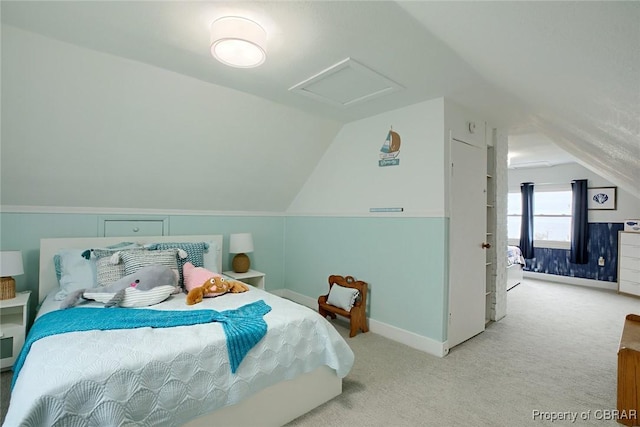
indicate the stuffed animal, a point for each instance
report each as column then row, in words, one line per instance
column 213, row 287
column 148, row 286
column 194, row 277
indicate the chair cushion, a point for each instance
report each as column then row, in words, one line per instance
column 343, row 297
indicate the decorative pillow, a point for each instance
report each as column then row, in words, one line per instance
column 135, row 260
column 196, row 276
column 113, row 248
column 195, row 253
column 74, row 272
column 343, row 297
column 57, row 263
column 107, row 271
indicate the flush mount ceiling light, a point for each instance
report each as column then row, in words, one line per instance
column 238, row 42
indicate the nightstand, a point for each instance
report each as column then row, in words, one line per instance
column 13, row 327
column 252, row 277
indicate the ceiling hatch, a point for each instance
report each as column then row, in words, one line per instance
column 345, row 84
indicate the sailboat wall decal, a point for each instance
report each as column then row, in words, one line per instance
column 390, row 150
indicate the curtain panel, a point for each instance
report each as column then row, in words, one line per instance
column 526, row 225
column 579, row 223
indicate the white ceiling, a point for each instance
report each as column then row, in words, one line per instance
column 564, row 73
column 531, row 150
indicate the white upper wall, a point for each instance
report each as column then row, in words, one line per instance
column 88, row 129
column 349, row 181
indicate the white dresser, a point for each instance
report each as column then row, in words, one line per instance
column 629, row 263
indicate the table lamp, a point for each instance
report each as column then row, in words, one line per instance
column 10, row 265
column 240, row 244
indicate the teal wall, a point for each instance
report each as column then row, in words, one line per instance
column 23, row 231
column 403, row 259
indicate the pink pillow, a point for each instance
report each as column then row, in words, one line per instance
column 195, row 277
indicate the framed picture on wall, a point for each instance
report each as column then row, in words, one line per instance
column 601, row 198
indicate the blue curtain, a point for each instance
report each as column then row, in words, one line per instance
column 579, row 223
column 526, row 224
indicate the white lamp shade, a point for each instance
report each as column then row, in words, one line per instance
column 238, row 42
column 11, row 263
column 241, row 243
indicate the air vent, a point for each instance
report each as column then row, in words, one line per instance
column 345, row 84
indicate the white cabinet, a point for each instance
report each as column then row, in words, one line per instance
column 118, row 226
column 629, row 263
column 251, row 277
column 13, row 326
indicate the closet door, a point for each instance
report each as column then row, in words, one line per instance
column 467, row 234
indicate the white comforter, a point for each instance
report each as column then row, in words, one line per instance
column 167, row 376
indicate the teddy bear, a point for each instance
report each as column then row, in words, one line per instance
column 213, row 287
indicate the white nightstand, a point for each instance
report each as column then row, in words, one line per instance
column 252, row 277
column 13, row 327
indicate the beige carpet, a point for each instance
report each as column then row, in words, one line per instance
column 555, row 352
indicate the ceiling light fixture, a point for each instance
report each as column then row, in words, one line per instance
column 238, row 42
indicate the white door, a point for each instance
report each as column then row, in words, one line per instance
column 467, row 231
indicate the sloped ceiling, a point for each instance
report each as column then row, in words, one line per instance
column 565, row 70
column 576, row 66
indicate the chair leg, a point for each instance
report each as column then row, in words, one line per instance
column 354, row 328
column 322, row 311
column 363, row 323
column 358, row 321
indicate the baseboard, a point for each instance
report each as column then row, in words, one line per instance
column 413, row 340
column 279, row 292
column 579, row 281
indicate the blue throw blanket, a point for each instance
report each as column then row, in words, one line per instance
column 244, row 326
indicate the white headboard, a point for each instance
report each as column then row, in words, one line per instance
column 49, row 247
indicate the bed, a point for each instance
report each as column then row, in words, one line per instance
column 176, row 375
column 515, row 264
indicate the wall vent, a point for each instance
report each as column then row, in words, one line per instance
column 526, row 165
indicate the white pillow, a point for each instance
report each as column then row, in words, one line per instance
column 210, row 257
column 76, row 272
column 343, row 297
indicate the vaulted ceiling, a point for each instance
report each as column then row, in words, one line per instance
column 568, row 72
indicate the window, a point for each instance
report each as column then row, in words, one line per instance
column 551, row 217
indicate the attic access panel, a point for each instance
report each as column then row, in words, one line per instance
column 345, row 84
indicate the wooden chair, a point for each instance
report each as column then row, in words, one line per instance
column 357, row 315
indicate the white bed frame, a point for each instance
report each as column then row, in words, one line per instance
column 274, row 406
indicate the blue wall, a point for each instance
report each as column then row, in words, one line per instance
column 23, row 231
column 603, row 242
column 404, row 260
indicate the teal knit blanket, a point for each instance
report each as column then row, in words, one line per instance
column 244, row 327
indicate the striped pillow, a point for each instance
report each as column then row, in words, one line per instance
column 135, row 260
column 106, row 271
column 195, row 253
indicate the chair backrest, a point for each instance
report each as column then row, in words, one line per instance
column 350, row 282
